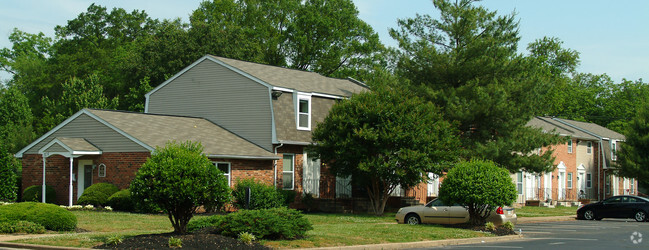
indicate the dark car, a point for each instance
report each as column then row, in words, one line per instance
column 622, row 206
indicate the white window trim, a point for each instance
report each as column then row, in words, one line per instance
column 101, row 170
column 569, row 180
column 229, row 174
column 301, row 96
column 589, row 180
column 613, row 150
column 292, row 172
column 589, row 147
column 570, row 146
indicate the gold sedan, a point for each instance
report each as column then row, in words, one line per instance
column 436, row 212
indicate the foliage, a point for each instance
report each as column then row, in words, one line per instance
column 385, row 138
column 114, row 240
column 16, row 120
column 247, row 238
column 97, row 194
column 179, row 178
column 33, row 193
column 121, row 201
column 480, row 186
column 274, row 223
column 22, row 226
column 288, row 196
column 633, row 159
column 175, row 242
column 467, row 63
column 490, row 226
column 50, row 216
column 198, row 223
column 508, row 225
column 262, row 196
column 9, row 167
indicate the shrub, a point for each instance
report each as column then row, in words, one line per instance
column 50, row 216
column 97, row 194
column 481, row 186
column 288, row 196
column 121, row 201
column 508, row 225
column 180, row 178
column 204, row 222
column 246, row 238
column 262, row 196
column 33, row 193
column 274, row 223
column 175, row 242
column 21, row 227
column 114, row 240
column 9, row 166
column 490, row 226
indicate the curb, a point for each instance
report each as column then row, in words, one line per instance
column 32, row 246
column 422, row 244
column 546, row 219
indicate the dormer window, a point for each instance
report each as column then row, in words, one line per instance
column 613, row 150
column 303, row 112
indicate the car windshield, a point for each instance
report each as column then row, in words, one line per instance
column 435, row 203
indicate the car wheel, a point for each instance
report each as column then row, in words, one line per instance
column 413, row 219
column 640, row 216
column 589, row 215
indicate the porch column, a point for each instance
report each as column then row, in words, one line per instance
column 43, row 187
column 70, row 200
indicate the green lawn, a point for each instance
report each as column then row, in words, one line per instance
column 529, row 211
column 329, row 230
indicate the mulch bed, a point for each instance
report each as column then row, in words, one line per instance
column 199, row 240
column 500, row 231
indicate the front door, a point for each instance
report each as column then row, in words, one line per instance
column 562, row 185
column 84, row 176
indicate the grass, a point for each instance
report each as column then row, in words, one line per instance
column 329, row 230
column 529, row 211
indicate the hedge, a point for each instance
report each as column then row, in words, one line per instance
column 50, row 216
column 33, row 193
column 97, row 194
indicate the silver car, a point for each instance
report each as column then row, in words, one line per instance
column 436, row 212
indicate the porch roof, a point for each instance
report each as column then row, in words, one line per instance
column 69, row 147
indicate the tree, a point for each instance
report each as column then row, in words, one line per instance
column 480, row 186
column 9, row 169
column 16, row 120
column 179, row 178
column 633, row 159
column 466, row 62
column 383, row 139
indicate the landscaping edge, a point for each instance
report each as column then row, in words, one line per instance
column 421, row 244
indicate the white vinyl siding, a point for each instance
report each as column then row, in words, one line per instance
column 303, row 111
column 288, row 173
column 225, row 168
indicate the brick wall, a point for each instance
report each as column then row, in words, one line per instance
column 261, row 170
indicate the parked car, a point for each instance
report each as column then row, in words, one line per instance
column 621, row 206
column 437, row 212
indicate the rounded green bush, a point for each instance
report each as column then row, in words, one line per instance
column 50, row 216
column 97, row 194
column 262, row 196
column 33, row 193
column 121, row 201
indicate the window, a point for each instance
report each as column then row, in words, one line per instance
column 632, row 186
column 589, row 180
column 613, row 150
column 225, row 168
column 101, row 172
column 589, row 147
column 519, row 182
column 287, row 171
column 569, row 180
column 608, row 184
column 570, row 146
column 303, row 112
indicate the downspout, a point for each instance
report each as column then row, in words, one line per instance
column 43, row 187
column 599, row 169
column 275, row 166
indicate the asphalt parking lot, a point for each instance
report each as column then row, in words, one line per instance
column 577, row 234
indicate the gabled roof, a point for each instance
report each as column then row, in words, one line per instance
column 595, row 129
column 282, row 78
column 152, row 131
column 549, row 125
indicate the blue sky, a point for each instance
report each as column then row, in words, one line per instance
column 612, row 37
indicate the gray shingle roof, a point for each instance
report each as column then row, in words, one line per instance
column 596, row 129
column 296, row 79
column 157, row 130
column 549, row 125
column 77, row 144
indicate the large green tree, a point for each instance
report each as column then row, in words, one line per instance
column 383, row 139
column 466, row 62
column 633, row 156
column 179, row 178
column 16, row 120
